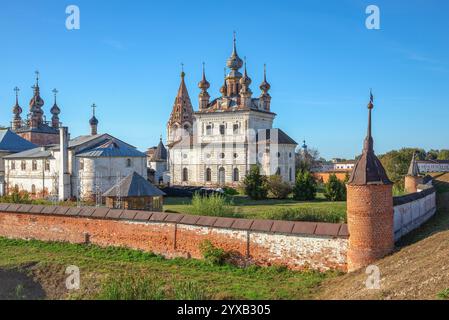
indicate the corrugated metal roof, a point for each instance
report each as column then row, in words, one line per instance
column 134, row 185
column 111, row 148
column 11, row 142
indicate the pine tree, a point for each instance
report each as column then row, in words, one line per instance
column 255, row 185
column 305, row 186
column 334, row 189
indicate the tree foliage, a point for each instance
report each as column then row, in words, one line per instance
column 255, row 184
column 305, row 186
column 334, row 189
column 277, row 188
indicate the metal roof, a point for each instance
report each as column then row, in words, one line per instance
column 274, row 136
column 111, row 147
column 11, row 142
column 160, row 154
column 134, row 185
column 36, row 153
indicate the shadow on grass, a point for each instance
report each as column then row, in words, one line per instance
column 17, row 285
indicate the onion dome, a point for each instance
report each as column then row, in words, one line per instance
column 93, row 121
column 224, row 87
column 204, row 84
column 55, row 109
column 16, row 109
column 265, row 86
column 234, row 62
column 36, row 100
column 245, row 80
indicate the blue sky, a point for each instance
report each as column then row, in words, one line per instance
column 321, row 62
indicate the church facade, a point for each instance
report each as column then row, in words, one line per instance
column 218, row 144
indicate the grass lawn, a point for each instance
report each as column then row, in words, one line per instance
column 35, row 269
column 289, row 209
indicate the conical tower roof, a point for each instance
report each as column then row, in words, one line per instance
column 413, row 170
column 368, row 169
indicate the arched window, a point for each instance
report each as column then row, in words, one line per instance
column 33, row 189
column 13, row 165
column 128, row 163
column 278, row 171
column 221, row 176
column 34, row 165
column 208, row 175
column 185, row 175
column 235, row 175
column 23, row 165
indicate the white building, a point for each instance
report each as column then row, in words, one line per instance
column 157, row 163
column 433, row 165
column 86, row 167
column 217, row 144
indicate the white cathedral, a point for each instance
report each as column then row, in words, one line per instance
column 218, row 144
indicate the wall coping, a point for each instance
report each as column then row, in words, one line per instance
column 397, row 201
column 322, row 229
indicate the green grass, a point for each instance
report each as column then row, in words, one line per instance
column 318, row 210
column 443, row 295
column 118, row 273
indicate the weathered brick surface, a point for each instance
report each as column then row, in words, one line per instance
column 411, row 183
column 370, row 224
column 262, row 242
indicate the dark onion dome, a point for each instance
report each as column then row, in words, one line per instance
column 224, row 87
column 93, row 121
column 55, row 110
column 245, row 80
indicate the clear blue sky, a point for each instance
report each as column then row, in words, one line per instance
column 321, row 63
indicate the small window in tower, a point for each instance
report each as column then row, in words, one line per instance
column 278, row 154
column 34, row 165
column 222, row 155
column 128, row 163
column 33, row 189
column 222, row 129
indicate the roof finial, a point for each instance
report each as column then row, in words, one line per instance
column 244, row 59
column 182, row 70
column 369, row 139
column 37, row 77
column 55, row 92
column 16, row 90
column 160, row 138
column 235, row 46
column 204, row 72
column 93, row 109
column 265, row 72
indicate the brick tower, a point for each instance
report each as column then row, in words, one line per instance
column 413, row 177
column 369, row 207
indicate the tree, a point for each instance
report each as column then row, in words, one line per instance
column 397, row 162
column 432, row 154
column 443, row 154
column 334, row 189
column 255, row 185
column 278, row 189
column 306, row 161
column 305, row 186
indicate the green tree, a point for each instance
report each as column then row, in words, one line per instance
column 255, row 185
column 443, row 155
column 277, row 188
column 305, row 186
column 334, row 189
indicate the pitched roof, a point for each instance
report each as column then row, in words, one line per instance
column 274, row 136
column 368, row 169
column 110, row 147
column 160, row 154
column 413, row 170
column 134, row 185
column 12, row 142
column 36, row 153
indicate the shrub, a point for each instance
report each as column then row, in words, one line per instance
column 305, row 186
column 334, row 189
column 230, row 191
column 278, row 189
column 212, row 205
column 255, row 185
column 213, row 255
column 129, row 288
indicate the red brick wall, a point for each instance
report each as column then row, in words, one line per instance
column 296, row 245
column 39, row 138
column 411, row 183
column 370, row 223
